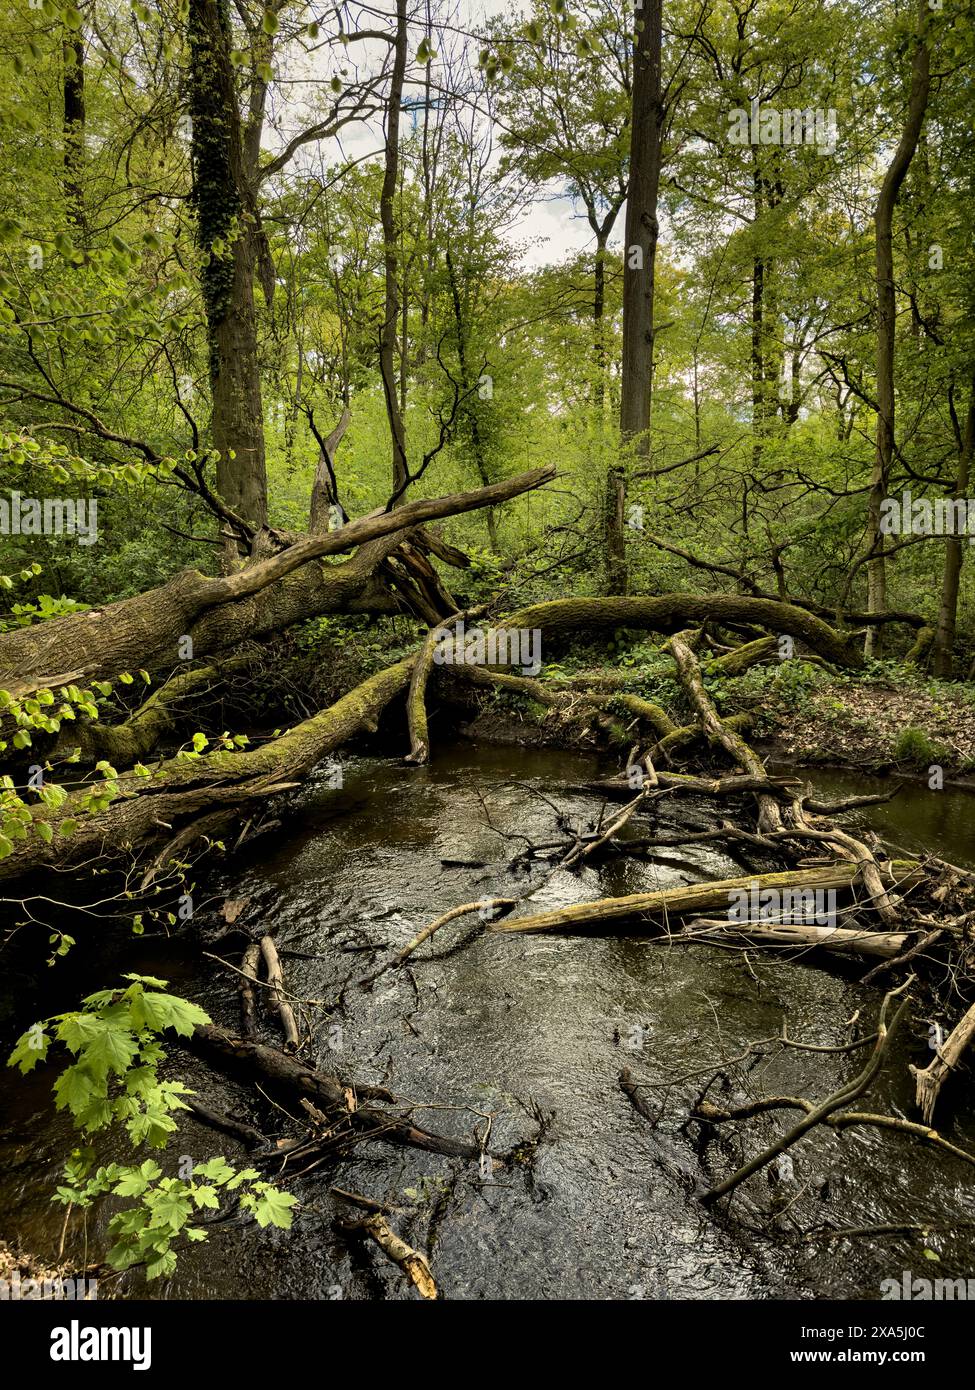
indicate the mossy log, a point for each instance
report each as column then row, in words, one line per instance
column 672, row 612
column 146, row 810
column 135, row 739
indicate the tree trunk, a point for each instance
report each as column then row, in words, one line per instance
column 477, row 445
column 598, row 327
column 758, row 358
column 227, row 235
column 886, row 326
column 387, row 343
column 944, row 640
column 641, row 229
column 73, row 50
column 639, row 257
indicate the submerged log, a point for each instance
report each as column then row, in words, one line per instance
column 286, row 1071
column 701, row 897
column 412, row 1262
column 248, row 1001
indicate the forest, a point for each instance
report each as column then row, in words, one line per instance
column 487, row 658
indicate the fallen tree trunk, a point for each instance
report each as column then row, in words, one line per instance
column 930, row 1080
column 144, row 631
column 147, row 810
column 672, row 612
column 700, row 897
column 413, row 1263
column 691, row 785
column 841, row 940
column 743, row 658
column 281, row 1069
column 275, row 978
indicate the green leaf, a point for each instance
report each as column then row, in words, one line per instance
column 273, row 1208
column 159, row 1011
column 162, row 1265
column 73, row 1090
column 31, row 1048
column 78, row 1029
column 112, row 1050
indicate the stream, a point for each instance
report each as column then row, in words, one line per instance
column 517, row 1026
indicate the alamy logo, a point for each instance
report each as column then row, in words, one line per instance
column 518, row 646
column 920, row 1290
column 917, row 516
column 49, row 516
column 788, row 906
column 76, row 1343
column 766, row 125
column 15, row 1288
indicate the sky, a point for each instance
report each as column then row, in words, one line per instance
column 553, row 226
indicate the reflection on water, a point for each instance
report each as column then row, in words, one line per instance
column 916, row 819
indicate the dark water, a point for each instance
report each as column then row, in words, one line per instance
column 510, row 1026
column 917, row 818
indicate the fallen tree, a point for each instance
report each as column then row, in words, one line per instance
column 217, row 611
column 342, row 1101
column 660, row 905
column 149, row 809
column 672, row 612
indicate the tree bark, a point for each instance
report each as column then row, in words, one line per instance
column 73, row 51
column 944, row 637
column 387, row 343
column 640, row 248
column 227, row 236
column 639, row 258
column 477, row 445
column 887, row 323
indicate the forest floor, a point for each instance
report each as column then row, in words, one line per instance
column 891, row 725
column 881, row 725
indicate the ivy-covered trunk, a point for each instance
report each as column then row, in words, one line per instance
column 227, row 235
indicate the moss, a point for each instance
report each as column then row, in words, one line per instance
column 215, row 195
column 912, row 745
